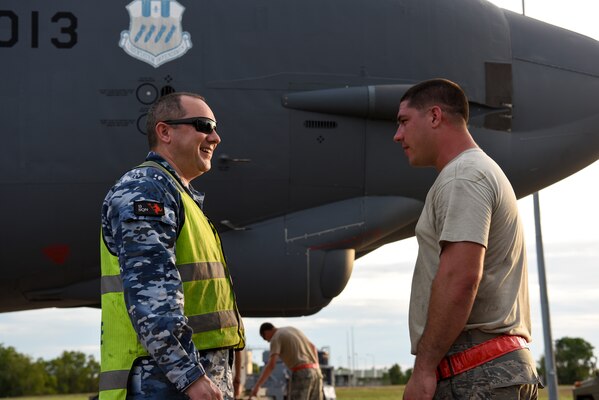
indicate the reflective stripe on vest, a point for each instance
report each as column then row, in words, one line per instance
column 114, row 380
column 189, row 272
column 215, row 320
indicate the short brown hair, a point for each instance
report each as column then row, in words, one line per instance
column 444, row 92
column 166, row 107
column 267, row 326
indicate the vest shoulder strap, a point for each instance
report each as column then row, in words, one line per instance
column 154, row 164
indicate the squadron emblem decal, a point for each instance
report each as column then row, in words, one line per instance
column 155, row 33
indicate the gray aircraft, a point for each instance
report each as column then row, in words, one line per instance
column 307, row 177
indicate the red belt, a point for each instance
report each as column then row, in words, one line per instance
column 304, row 366
column 479, row 354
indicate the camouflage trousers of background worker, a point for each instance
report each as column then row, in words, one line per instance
column 510, row 377
column 306, row 384
column 147, row 381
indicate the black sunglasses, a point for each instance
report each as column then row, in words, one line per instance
column 202, row 124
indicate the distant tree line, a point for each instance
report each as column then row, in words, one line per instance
column 71, row 372
column 76, row 372
column 395, row 376
column 574, row 361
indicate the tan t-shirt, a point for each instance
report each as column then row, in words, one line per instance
column 292, row 346
column 472, row 200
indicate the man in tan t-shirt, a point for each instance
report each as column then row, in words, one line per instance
column 469, row 309
column 299, row 355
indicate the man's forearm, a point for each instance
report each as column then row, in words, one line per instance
column 265, row 374
column 448, row 314
column 452, row 295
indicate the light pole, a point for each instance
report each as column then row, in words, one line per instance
column 550, row 368
column 373, row 365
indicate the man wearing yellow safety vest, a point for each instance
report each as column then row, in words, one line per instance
column 170, row 322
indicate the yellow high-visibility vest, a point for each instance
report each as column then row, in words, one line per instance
column 210, row 304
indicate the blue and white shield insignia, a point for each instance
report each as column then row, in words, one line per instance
column 155, row 33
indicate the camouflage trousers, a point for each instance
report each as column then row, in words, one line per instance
column 147, row 381
column 217, row 365
column 306, row 384
column 512, row 376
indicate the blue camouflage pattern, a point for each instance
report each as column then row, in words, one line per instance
column 218, row 366
column 145, row 383
column 152, row 287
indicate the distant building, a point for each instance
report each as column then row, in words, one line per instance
column 360, row 377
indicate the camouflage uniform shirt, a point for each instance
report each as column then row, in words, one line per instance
column 145, row 246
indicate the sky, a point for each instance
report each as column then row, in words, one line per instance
column 366, row 325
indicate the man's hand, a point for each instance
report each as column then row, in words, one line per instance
column 204, row 389
column 421, row 386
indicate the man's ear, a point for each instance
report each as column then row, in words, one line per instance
column 163, row 132
column 436, row 115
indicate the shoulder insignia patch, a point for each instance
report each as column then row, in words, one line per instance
column 148, row 208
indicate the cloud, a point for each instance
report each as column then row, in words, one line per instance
column 47, row 333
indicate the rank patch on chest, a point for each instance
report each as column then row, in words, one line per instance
column 148, row 208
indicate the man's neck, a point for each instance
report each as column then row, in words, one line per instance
column 453, row 147
column 184, row 180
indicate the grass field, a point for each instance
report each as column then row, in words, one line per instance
column 395, row 392
column 343, row 393
column 369, row 392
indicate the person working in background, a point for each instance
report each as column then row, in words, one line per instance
column 299, row 355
